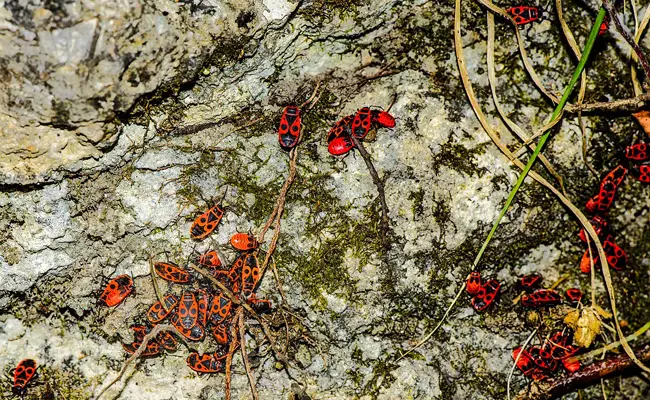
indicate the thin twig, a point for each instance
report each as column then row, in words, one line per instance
column 385, row 224
column 145, row 341
column 623, row 105
column 155, row 285
column 231, row 350
column 244, row 356
column 514, row 364
column 611, row 10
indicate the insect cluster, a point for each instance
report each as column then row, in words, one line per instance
column 339, row 137
column 199, row 310
column 483, row 294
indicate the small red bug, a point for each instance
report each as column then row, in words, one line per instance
column 542, row 361
column 210, row 259
column 289, row 129
column 486, row 295
column 152, row 349
column 523, row 14
column 117, row 290
column 23, row 374
column 571, row 364
column 524, row 363
column 157, row 312
column 340, row 146
column 641, row 172
column 604, row 26
column 541, row 298
column 139, row 332
column 600, row 226
column 220, row 333
column 383, row 118
column 206, row 363
column 563, row 351
column 171, row 272
column 244, row 242
column 342, row 128
column 206, row 223
column 637, row 152
column 188, row 310
column 615, row 176
column 219, row 309
column 602, row 201
column 195, row 334
column 616, row 257
column 473, row 284
column 585, row 262
column 361, row 123
column 530, row 282
column 250, row 274
column 574, row 295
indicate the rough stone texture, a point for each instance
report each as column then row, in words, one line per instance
column 76, row 209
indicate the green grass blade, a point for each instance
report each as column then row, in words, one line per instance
column 558, row 109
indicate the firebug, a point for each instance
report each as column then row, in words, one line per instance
column 486, row 295
column 117, row 290
column 219, row 309
column 541, row 298
column 250, row 274
column 574, row 295
column 383, row 118
column 206, row 363
column 206, row 223
column 188, row 310
column 342, row 128
column 210, row 259
column 641, row 172
column 637, row 152
column 530, row 282
column 220, row 334
column 171, row 272
column 361, row 123
column 523, row 14
column 244, row 241
column 473, row 284
column 152, row 349
column 599, row 224
column 289, row 129
column 340, row 146
column 616, row 257
column 23, row 374
column 195, row 334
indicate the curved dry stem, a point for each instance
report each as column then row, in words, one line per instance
column 511, row 124
column 637, row 36
column 522, row 49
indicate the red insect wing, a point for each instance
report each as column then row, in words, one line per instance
column 250, row 274
column 340, row 146
column 23, row 374
column 171, row 272
column 117, row 290
column 641, row 173
column 210, row 259
column 560, row 352
column 220, row 334
column 139, row 332
column 524, row 363
column 361, row 123
column 585, row 262
column 206, row 223
column 574, row 295
column 637, row 152
column 157, row 312
column 341, row 128
column 202, row 299
column 195, row 334
column 383, row 118
column 615, row 176
column 530, row 282
column 244, row 242
column 616, row 257
column 289, row 129
column 473, row 284
column 571, row 365
column 219, row 309
column 188, row 310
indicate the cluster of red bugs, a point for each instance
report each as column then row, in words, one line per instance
column 483, row 294
column 526, row 14
column 637, row 154
column 200, row 308
column 340, row 136
column 538, row 362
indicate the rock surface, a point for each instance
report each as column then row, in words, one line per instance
column 103, row 166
